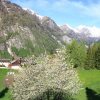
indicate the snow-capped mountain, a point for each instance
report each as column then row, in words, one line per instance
column 39, row 31
column 82, row 33
column 82, row 29
column 91, row 31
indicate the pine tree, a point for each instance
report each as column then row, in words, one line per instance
column 77, row 53
column 97, row 56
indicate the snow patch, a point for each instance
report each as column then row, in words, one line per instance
column 33, row 13
column 94, row 31
column 89, row 31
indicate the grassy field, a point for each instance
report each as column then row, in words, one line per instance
column 90, row 79
column 7, row 95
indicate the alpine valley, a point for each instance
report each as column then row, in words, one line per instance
column 25, row 32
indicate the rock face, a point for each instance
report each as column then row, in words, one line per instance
column 24, row 30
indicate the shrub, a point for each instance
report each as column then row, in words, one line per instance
column 53, row 95
column 47, row 73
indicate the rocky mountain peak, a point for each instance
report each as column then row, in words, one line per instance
column 50, row 24
column 65, row 28
column 9, row 7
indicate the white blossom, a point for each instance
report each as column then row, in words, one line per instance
column 48, row 72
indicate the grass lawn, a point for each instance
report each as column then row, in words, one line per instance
column 90, row 79
column 3, row 73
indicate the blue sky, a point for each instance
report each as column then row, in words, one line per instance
column 72, row 12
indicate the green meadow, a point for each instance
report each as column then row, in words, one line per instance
column 6, row 96
column 90, row 79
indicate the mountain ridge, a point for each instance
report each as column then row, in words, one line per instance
column 82, row 33
column 26, row 31
column 86, row 33
column 23, row 31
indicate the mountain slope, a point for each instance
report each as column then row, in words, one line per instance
column 23, row 32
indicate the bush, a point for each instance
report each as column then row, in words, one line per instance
column 47, row 73
column 53, row 95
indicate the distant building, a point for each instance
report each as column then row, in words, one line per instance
column 15, row 63
column 7, row 63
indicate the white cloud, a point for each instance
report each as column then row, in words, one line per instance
column 64, row 6
column 90, row 10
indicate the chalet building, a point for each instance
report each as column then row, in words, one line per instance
column 15, row 63
column 4, row 62
column 7, row 63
